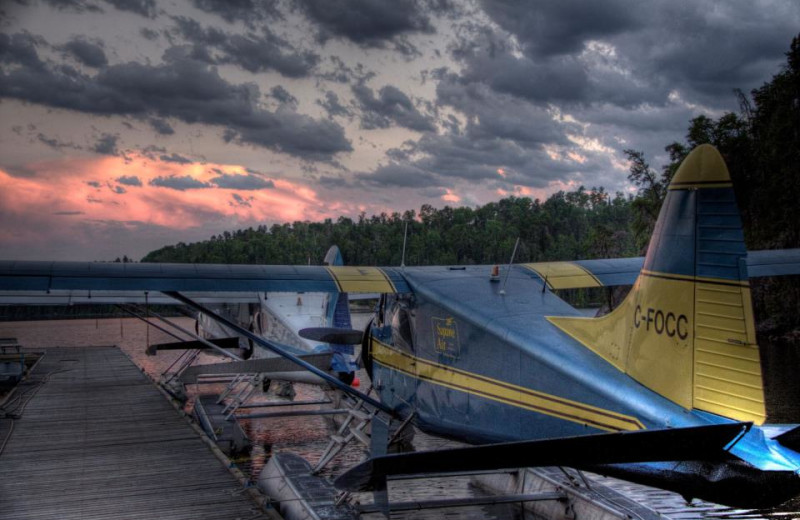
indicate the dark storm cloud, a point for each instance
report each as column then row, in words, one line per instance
column 180, row 88
column 252, row 52
column 119, row 190
column 433, row 193
column 714, row 47
column 152, row 151
column 631, row 74
column 247, row 11
column 175, row 158
column 148, row 33
column 702, row 50
column 20, row 49
column 161, row 126
column 283, row 96
column 78, row 6
column 19, row 171
column 234, row 181
column 94, row 184
column 180, row 183
column 54, row 143
column 332, row 182
column 556, row 27
column 106, row 144
column 129, row 180
column 86, row 52
column 390, row 106
column 489, row 58
column 369, row 23
column 238, row 200
column 399, row 175
column 460, row 157
column 492, row 115
column 332, row 105
column 499, row 131
column 342, row 73
column 146, row 8
column 673, row 118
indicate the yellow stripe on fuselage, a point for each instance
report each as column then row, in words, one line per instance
column 354, row 279
column 564, row 275
column 702, row 279
column 502, row 391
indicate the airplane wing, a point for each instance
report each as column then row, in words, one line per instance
column 29, row 282
column 679, row 444
column 623, row 271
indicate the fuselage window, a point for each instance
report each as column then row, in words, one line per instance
column 402, row 336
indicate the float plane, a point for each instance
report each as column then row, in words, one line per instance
column 279, row 316
column 664, row 390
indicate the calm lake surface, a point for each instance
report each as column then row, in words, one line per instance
column 308, row 436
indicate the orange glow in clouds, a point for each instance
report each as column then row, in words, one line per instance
column 450, row 196
column 106, row 189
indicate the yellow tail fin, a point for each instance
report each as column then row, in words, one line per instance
column 686, row 329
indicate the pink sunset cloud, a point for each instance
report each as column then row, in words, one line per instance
column 91, row 187
column 63, row 198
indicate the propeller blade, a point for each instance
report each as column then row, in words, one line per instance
column 332, row 335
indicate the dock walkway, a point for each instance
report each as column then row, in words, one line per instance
column 97, row 440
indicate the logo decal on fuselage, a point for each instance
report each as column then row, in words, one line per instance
column 445, row 337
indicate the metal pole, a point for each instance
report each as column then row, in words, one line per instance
column 293, row 413
column 508, row 270
column 405, row 235
column 165, row 331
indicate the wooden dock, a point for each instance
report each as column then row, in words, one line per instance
column 97, row 440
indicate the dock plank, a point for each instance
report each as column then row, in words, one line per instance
column 97, row 440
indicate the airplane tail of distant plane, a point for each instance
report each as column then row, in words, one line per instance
column 339, row 318
column 686, row 329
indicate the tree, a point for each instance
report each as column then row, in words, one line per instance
column 652, row 189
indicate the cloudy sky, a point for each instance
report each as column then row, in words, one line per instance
column 126, row 125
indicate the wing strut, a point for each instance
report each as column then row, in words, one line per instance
column 693, row 443
column 281, row 352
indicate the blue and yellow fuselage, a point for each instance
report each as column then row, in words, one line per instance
column 483, row 367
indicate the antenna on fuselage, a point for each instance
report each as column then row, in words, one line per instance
column 508, row 270
column 405, row 235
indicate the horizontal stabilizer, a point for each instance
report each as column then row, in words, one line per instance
column 332, row 335
column 790, row 439
column 702, row 442
column 610, row 272
column 230, row 343
column 775, row 262
column 269, row 365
